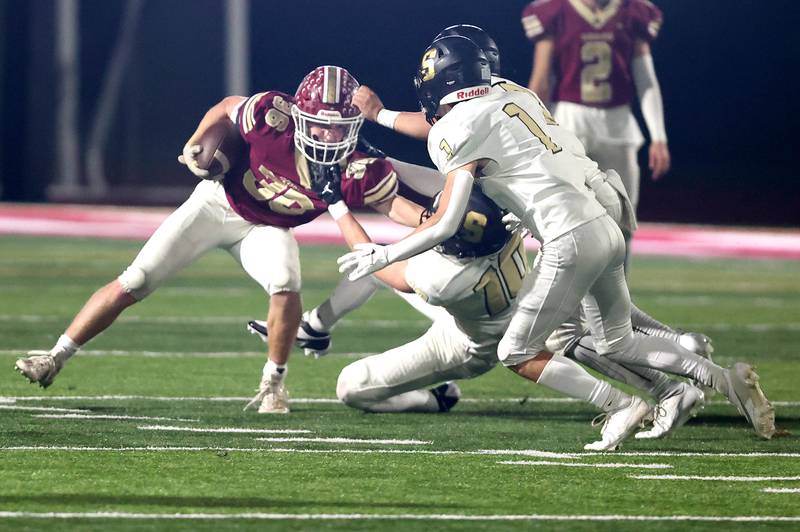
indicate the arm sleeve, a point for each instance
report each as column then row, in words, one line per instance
column 446, row 227
column 649, row 92
column 540, row 18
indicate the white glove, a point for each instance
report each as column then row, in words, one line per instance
column 514, row 224
column 189, row 158
column 363, row 260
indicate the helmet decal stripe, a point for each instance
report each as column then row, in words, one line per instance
column 332, row 85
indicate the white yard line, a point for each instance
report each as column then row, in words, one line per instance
column 302, row 400
column 720, row 478
column 261, row 516
column 345, row 440
column 781, row 490
column 178, row 354
column 44, row 409
column 112, row 417
column 212, row 320
column 580, row 464
column 231, row 430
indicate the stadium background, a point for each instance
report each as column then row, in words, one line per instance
column 723, row 66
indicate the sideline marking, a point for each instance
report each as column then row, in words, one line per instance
column 345, row 440
column 700, row 477
column 580, row 464
column 113, row 417
column 232, row 430
column 44, row 409
column 781, row 490
column 407, row 517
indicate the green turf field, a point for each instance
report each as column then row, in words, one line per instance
column 508, row 457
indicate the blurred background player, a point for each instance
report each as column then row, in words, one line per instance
column 292, row 140
column 590, row 56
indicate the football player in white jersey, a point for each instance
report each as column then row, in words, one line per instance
column 479, row 293
column 508, row 142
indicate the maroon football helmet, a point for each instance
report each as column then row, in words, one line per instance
column 326, row 121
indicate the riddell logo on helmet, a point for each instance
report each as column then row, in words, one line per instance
column 474, row 92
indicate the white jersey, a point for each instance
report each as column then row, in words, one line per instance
column 478, row 292
column 535, row 169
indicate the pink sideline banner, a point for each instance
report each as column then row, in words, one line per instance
column 139, row 223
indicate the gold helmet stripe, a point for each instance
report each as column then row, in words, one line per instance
column 332, row 84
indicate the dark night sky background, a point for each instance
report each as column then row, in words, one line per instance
column 726, row 69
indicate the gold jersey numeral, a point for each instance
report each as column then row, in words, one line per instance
column 501, row 286
column 445, row 147
column 515, row 111
column 509, row 86
column 596, row 57
column 275, row 190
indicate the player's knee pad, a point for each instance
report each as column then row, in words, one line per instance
column 350, row 385
column 135, row 282
column 284, row 279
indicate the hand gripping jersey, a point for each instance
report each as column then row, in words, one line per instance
column 593, row 49
column 273, row 186
column 478, row 292
column 534, row 168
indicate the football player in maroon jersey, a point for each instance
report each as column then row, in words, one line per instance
column 598, row 54
column 250, row 213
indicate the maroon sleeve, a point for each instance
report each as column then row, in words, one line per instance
column 646, row 20
column 266, row 114
column 368, row 181
column 540, row 18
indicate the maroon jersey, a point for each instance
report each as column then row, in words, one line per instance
column 593, row 49
column 273, row 186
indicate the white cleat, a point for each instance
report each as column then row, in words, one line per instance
column 272, row 398
column 39, row 367
column 746, row 395
column 673, row 412
column 620, row 424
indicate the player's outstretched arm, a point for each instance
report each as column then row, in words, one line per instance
column 649, row 92
column 220, row 111
column 412, row 124
column 400, row 210
column 393, row 275
column 368, row 258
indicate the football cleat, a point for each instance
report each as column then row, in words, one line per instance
column 310, row 340
column 447, row 395
column 673, row 412
column 40, row 367
column 272, row 398
column 745, row 393
column 619, row 424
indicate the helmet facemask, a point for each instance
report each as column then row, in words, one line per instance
column 326, row 137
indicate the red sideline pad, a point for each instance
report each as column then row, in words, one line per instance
column 139, row 223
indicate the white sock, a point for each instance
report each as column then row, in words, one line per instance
column 565, row 376
column 346, row 297
column 273, row 372
column 64, row 348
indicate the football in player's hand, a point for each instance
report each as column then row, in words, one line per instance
column 223, row 148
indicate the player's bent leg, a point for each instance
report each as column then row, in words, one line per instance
column 394, row 381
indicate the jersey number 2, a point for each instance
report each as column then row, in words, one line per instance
column 596, row 58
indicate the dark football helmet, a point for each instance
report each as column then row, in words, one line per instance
column 479, row 37
column 482, row 230
column 326, row 121
column 453, row 69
